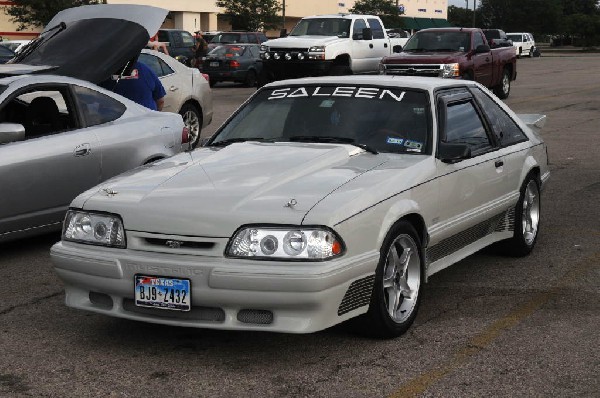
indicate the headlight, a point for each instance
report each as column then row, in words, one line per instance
column 317, row 49
column 285, row 243
column 451, row 70
column 94, row 228
column 264, row 48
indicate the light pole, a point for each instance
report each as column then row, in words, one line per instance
column 474, row 6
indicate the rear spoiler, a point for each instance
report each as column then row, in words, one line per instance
column 533, row 120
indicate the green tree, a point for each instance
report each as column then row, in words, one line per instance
column 252, row 15
column 460, row 17
column 537, row 16
column 384, row 9
column 34, row 13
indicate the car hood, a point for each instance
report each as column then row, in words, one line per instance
column 301, row 41
column 423, row 57
column 211, row 192
column 91, row 42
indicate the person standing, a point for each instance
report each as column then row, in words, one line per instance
column 142, row 86
column 200, row 50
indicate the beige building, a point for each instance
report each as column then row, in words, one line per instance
column 193, row 15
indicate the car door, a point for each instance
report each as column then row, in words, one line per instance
column 381, row 45
column 483, row 65
column 55, row 162
column 361, row 49
column 473, row 190
column 173, row 84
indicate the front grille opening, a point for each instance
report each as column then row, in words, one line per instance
column 207, row 314
column 101, row 300
column 257, row 317
column 179, row 244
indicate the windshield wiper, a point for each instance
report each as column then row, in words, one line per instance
column 238, row 139
column 29, row 48
column 340, row 140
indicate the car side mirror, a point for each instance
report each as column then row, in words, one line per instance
column 453, row 153
column 397, row 49
column 11, row 132
column 367, row 34
column 482, row 48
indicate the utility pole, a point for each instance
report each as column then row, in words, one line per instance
column 283, row 13
column 474, row 6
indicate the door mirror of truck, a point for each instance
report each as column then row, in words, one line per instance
column 482, row 48
column 367, row 34
column 397, row 49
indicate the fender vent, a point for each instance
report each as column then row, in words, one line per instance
column 357, row 295
column 258, row 317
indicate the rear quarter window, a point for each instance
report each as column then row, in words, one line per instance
column 98, row 108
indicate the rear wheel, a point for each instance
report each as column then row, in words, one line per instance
column 192, row 118
column 396, row 292
column 531, row 51
column 527, row 220
column 502, row 90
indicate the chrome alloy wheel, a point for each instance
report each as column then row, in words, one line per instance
column 531, row 212
column 505, row 83
column 192, row 122
column 401, row 278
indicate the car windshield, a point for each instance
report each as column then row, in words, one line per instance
column 228, row 51
column 439, row 41
column 322, row 27
column 517, row 38
column 381, row 119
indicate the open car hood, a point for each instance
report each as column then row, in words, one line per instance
column 90, row 42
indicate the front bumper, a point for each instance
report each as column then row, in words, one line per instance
column 298, row 297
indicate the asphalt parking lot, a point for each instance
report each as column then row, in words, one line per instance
column 488, row 326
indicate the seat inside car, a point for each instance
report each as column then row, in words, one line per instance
column 43, row 117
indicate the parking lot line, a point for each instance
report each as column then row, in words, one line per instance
column 420, row 384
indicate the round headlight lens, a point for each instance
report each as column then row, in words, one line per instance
column 294, row 242
column 83, row 225
column 268, row 245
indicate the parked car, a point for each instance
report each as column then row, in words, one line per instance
column 455, row 53
column 322, row 200
column 497, row 38
column 60, row 135
column 180, row 44
column 208, row 35
column 188, row 92
column 14, row 45
column 233, row 62
column 523, row 42
column 6, row 54
column 337, row 44
column 236, row 38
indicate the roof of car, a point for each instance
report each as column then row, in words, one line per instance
column 422, row 83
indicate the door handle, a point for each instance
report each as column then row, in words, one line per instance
column 487, row 59
column 385, row 45
column 371, row 45
column 499, row 163
column 82, row 150
column 173, row 88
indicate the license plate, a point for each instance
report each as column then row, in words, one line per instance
column 214, row 64
column 164, row 293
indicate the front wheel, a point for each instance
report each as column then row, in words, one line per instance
column 192, row 118
column 396, row 293
column 502, row 90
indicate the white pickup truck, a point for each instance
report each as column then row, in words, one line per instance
column 337, row 44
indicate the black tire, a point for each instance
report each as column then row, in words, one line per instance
column 251, row 79
column 531, row 51
column 404, row 241
column 527, row 220
column 212, row 82
column 502, row 90
column 192, row 117
column 467, row 76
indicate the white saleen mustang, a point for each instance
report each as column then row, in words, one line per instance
column 319, row 200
